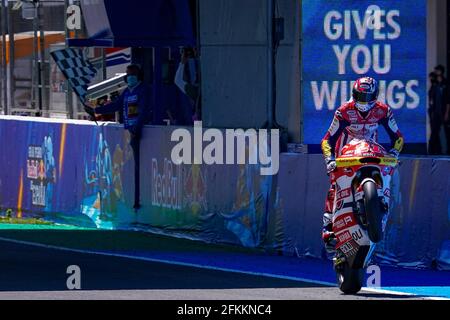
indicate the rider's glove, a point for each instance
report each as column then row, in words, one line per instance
column 394, row 152
column 331, row 164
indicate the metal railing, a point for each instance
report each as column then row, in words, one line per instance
column 28, row 84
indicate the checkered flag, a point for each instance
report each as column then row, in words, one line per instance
column 77, row 70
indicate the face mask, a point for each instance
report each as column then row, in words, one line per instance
column 132, row 81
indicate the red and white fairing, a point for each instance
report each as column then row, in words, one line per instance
column 355, row 155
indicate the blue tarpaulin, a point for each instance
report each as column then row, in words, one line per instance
column 136, row 23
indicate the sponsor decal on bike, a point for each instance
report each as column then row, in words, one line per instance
column 340, row 195
column 357, row 235
column 343, row 160
column 343, row 194
column 343, row 237
column 348, row 171
column 368, row 154
column 343, row 221
column 349, row 248
column 387, row 171
column 339, row 205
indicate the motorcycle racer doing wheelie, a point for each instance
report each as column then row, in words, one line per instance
column 358, row 118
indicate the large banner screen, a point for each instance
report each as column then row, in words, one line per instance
column 344, row 40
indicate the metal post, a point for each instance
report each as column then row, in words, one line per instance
column 1, row 61
column 69, row 99
column 270, row 12
column 42, row 64
column 12, row 80
column 300, row 46
column 5, row 62
column 104, row 72
column 35, row 72
column 157, row 82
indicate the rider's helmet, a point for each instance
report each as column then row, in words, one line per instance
column 365, row 93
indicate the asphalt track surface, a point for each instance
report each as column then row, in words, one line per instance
column 30, row 272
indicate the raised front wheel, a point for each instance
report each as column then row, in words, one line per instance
column 373, row 211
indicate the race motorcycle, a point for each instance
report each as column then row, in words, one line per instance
column 361, row 204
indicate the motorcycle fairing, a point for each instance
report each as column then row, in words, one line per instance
column 360, row 161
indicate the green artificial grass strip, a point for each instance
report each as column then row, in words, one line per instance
column 13, row 220
column 38, row 226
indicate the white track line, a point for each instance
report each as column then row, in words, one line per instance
column 194, row 265
column 378, row 290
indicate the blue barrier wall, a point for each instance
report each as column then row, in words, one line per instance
column 79, row 173
column 418, row 229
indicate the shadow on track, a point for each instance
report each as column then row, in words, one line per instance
column 31, row 268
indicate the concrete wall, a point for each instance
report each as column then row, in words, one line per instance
column 436, row 36
column 437, row 33
column 233, row 41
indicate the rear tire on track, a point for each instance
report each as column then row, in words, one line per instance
column 349, row 280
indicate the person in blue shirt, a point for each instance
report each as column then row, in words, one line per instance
column 135, row 107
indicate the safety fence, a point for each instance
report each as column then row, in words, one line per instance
column 80, row 173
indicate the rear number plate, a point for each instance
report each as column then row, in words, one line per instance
column 349, row 248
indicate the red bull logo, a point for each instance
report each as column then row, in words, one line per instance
column 166, row 186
